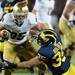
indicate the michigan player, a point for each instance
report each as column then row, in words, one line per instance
column 50, row 53
column 67, row 27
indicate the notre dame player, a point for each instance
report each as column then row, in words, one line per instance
column 18, row 24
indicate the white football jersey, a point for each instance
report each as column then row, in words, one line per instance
column 44, row 5
column 43, row 10
column 18, row 33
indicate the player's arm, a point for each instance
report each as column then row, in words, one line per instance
column 38, row 27
column 44, row 54
column 30, row 63
column 25, row 64
column 63, row 25
column 69, row 7
column 63, row 22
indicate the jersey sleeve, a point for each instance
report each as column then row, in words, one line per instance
column 46, row 52
column 63, row 25
column 6, row 18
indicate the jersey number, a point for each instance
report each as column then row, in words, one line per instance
column 58, row 57
column 19, row 36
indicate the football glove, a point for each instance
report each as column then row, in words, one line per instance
column 7, row 65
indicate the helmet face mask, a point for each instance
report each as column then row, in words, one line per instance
column 20, row 18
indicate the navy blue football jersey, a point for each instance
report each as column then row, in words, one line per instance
column 53, row 56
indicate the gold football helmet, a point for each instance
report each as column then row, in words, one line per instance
column 8, row 9
column 47, row 37
column 20, row 11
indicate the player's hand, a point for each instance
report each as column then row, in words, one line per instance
column 4, row 34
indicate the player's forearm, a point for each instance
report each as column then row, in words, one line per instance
column 63, row 25
column 30, row 63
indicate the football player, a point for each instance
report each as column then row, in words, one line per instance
column 66, row 25
column 17, row 26
column 51, row 54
